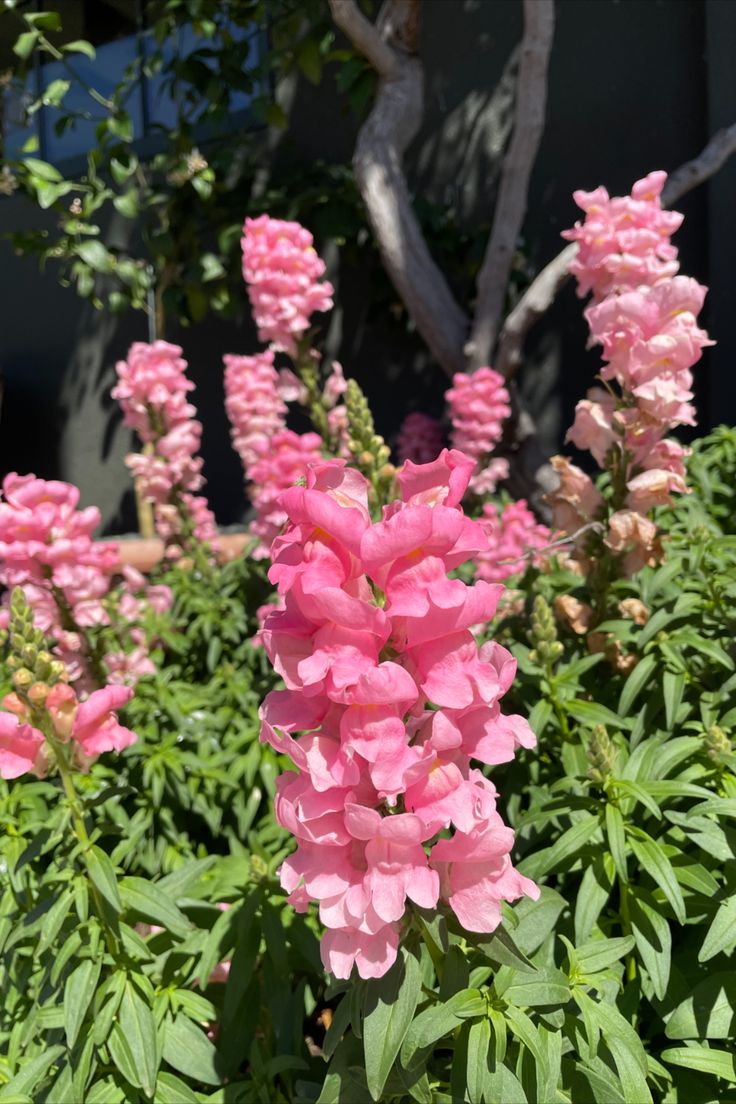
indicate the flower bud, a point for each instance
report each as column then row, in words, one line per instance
column 717, row 742
column 22, row 678
column 38, row 693
column 600, row 754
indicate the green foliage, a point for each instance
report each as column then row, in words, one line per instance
column 616, row 985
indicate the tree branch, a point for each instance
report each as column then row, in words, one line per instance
column 377, row 164
column 531, row 100
column 365, row 37
column 721, row 146
column 544, row 288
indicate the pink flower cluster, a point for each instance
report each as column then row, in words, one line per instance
column 46, row 548
column 152, row 390
column 479, row 405
column 388, row 699
column 512, row 533
column 285, row 462
column 254, row 404
column 624, row 241
column 91, row 726
column 651, row 340
column 284, row 277
column 420, row 439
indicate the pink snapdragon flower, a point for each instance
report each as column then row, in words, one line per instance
column 624, row 241
column 512, row 533
column 644, row 316
column 420, row 439
column 152, row 388
column 68, row 578
column 20, row 748
column 367, row 732
column 479, row 405
column 253, row 403
column 89, row 728
column 283, row 273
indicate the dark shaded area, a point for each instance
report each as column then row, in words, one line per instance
column 634, row 85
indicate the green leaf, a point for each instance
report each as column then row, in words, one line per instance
column 592, row 713
column 549, row 988
column 439, row 1019
column 638, row 793
column 535, row 920
column 80, row 46
column 504, row 1086
column 673, row 686
column 149, row 902
column 102, row 872
column 601, row 953
column 390, row 1004
column 25, row 44
column 617, row 840
column 653, row 942
column 720, row 1063
column 54, row 920
column 121, row 126
column 30, row 1075
column 625, row 1046
column 594, row 891
column 172, row 1090
column 275, row 116
column 136, row 1022
column 569, row 844
column 478, row 1070
column 79, row 989
column 635, row 683
column 45, row 21
column 42, row 170
column 309, row 60
column 652, row 858
column 95, row 255
column 709, row 1012
column 722, row 932
column 55, row 92
column 188, row 1050
column 127, row 203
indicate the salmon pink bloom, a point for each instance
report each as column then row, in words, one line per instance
column 387, row 699
column 20, row 747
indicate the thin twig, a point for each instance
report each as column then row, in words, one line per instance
column 559, row 542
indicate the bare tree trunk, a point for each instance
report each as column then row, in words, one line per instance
column 531, row 102
column 390, row 46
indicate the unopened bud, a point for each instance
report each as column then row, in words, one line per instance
column 387, row 473
column 600, row 754
column 366, row 458
column 38, row 693
column 29, row 655
column 717, row 742
column 258, row 867
column 22, row 678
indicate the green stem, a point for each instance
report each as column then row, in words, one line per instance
column 80, row 828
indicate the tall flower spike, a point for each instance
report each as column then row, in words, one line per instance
column 479, row 405
column 152, row 391
column 367, row 732
column 283, row 273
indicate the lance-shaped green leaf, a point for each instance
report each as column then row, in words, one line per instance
column 79, row 989
column 709, row 1012
column 720, row 1063
column 653, row 941
column 390, row 1004
column 653, row 859
column 721, row 934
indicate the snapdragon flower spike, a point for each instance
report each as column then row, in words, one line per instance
column 420, row 439
column 644, row 315
column 47, row 549
column 388, row 700
column 152, row 391
column 273, row 456
column 624, row 241
column 479, row 405
column 512, row 533
column 283, row 273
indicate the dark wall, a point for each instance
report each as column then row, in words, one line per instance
column 634, row 85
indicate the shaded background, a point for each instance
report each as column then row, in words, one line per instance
column 635, row 85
